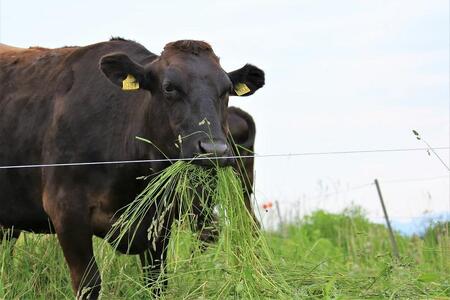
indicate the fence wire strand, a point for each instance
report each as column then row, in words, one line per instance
column 116, row 162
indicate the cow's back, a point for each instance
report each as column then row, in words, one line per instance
column 47, row 94
column 28, row 82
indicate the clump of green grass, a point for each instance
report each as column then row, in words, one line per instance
column 346, row 256
column 240, row 264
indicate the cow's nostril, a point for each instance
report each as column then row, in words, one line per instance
column 217, row 148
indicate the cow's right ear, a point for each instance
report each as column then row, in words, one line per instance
column 246, row 80
column 124, row 72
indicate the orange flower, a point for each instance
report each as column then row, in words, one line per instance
column 267, row 205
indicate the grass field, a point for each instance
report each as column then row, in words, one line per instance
column 331, row 256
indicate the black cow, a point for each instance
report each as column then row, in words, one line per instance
column 80, row 104
column 241, row 133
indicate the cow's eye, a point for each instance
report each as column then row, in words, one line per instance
column 169, row 88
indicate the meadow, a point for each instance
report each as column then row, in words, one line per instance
column 323, row 255
column 329, row 256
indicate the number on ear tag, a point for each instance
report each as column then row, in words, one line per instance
column 241, row 89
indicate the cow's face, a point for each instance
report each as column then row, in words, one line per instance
column 190, row 90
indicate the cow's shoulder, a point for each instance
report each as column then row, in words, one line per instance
column 27, row 70
column 72, row 54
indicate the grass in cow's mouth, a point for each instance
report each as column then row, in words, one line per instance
column 239, row 264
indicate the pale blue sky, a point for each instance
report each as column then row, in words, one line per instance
column 341, row 75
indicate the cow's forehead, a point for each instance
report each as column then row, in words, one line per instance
column 189, row 66
column 187, row 59
column 190, row 47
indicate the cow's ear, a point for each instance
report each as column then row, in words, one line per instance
column 246, row 80
column 124, row 72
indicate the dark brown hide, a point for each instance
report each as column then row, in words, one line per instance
column 66, row 105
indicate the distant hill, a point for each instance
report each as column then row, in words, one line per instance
column 417, row 225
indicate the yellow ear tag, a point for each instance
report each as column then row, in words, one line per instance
column 241, row 89
column 130, row 83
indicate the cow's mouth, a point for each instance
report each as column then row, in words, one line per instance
column 211, row 153
column 211, row 160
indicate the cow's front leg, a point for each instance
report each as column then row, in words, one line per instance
column 72, row 227
column 76, row 243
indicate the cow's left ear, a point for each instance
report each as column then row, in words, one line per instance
column 246, row 80
column 124, row 72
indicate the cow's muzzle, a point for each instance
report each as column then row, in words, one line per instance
column 214, row 153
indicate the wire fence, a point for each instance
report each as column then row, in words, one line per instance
column 274, row 218
column 404, row 223
column 115, row 162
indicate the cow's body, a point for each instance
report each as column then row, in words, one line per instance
column 57, row 106
column 51, row 112
column 242, row 131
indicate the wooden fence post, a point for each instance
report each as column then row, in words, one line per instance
column 388, row 223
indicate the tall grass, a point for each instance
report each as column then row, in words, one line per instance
column 345, row 256
column 240, row 264
column 324, row 255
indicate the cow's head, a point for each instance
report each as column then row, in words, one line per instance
column 190, row 93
